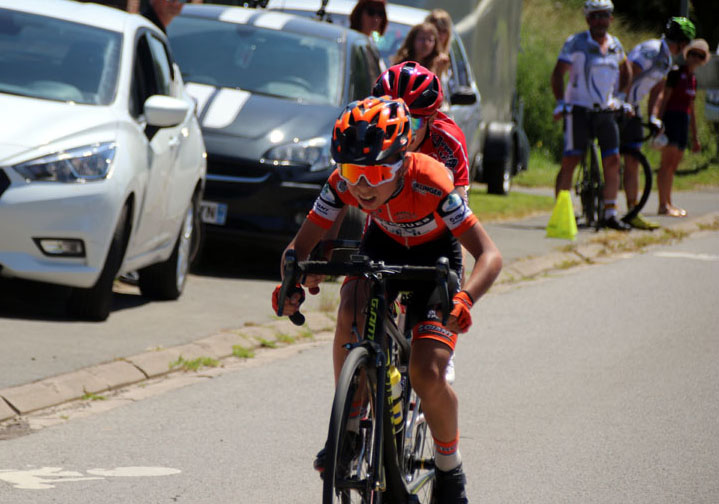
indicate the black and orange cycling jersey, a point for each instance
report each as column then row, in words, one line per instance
column 424, row 206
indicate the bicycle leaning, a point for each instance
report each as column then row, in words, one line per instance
column 390, row 457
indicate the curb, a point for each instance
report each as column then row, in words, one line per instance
column 56, row 390
column 53, row 391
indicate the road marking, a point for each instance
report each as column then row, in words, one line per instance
column 44, row 478
column 688, row 255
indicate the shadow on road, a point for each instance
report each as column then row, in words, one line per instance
column 231, row 260
column 24, row 299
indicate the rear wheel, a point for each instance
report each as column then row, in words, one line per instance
column 94, row 303
column 166, row 280
column 645, row 182
column 349, row 472
column 418, row 454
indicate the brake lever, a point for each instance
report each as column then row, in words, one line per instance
column 288, row 282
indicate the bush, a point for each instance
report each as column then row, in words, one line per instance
column 534, row 69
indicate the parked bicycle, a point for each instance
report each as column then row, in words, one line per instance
column 391, row 457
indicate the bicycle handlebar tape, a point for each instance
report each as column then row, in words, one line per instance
column 562, row 223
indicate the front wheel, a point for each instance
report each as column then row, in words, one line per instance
column 166, row 280
column 349, row 473
column 94, row 304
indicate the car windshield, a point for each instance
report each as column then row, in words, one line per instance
column 388, row 45
column 288, row 65
column 52, row 59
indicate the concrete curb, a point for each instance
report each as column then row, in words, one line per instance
column 53, row 391
column 56, row 390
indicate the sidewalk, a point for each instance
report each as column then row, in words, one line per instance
column 527, row 254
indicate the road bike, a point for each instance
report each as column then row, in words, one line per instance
column 390, row 458
column 589, row 180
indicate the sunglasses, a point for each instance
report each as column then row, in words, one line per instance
column 600, row 15
column 374, row 175
column 416, row 123
column 372, row 12
column 696, row 54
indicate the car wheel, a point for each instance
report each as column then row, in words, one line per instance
column 166, row 280
column 499, row 175
column 94, row 303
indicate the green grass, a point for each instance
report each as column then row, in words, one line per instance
column 195, row 364
column 89, row 396
column 241, row 352
column 491, row 207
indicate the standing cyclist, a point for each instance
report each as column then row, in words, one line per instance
column 651, row 61
column 597, row 65
column 416, row 216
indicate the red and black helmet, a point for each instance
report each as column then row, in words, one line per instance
column 417, row 86
column 370, row 131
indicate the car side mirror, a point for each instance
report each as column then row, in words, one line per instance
column 465, row 95
column 164, row 111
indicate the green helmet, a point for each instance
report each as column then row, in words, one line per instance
column 680, row 29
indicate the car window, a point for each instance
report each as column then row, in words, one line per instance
column 460, row 68
column 161, row 64
column 144, row 79
column 256, row 59
column 52, row 59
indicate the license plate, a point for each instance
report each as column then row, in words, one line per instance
column 213, row 213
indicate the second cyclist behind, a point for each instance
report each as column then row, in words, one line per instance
column 651, row 61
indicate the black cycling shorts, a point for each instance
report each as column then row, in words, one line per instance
column 576, row 132
column 631, row 132
column 676, row 127
column 378, row 246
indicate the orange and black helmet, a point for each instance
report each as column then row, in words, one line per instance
column 417, row 86
column 370, row 131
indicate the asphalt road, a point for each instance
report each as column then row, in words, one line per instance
column 596, row 385
column 232, row 289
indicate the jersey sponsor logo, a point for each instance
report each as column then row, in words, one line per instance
column 327, row 195
column 443, row 152
column 425, row 189
column 451, row 203
column 341, row 186
column 435, row 329
column 409, row 229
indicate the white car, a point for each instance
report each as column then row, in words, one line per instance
column 102, row 162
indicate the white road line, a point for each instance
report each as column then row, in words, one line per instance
column 688, row 255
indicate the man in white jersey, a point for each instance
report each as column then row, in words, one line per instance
column 597, row 65
column 651, row 61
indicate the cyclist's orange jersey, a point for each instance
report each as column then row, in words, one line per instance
column 424, row 206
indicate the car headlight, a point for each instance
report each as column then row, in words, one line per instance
column 82, row 164
column 314, row 153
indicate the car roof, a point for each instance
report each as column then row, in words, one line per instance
column 91, row 14
column 269, row 19
column 399, row 14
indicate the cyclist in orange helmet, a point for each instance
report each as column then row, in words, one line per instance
column 416, row 217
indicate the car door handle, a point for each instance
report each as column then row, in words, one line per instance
column 174, row 141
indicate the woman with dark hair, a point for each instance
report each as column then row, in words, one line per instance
column 369, row 16
column 421, row 45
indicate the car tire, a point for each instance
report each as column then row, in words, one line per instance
column 166, row 280
column 94, row 303
column 499, row 176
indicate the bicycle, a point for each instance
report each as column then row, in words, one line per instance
column 589, row 183
column 387, row 460
column 646, row 169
